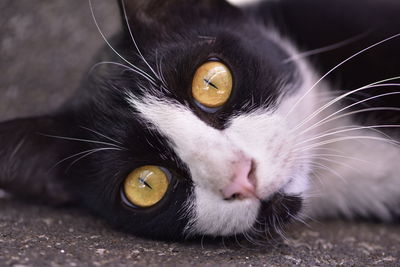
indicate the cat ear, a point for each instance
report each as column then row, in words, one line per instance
column 28, row 156
column 151, row 11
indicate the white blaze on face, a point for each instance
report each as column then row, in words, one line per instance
column 263, row 136
column 210, row 155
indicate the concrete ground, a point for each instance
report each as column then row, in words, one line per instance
column 45, row 47
column 33, row 235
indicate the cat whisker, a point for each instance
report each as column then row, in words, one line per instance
column 161, row 72
column 223, row 242
column 120, row 65
column 328, row 48
column 257, row 235
column 315, row 173
column 350, row 128
column 318, row 165
column 202, row 241
column 250, row 239
column 78, row 154
column 295, row 217
column 304, row 216
column 356, row 112
column 237, row 241
column 158, row 67
column 136, row 45
column 371, row 127
column 83, row 140
column 326, row 168
column 338, row 66
column 341, row 139
column 337, row 156
column 321, row 122
column 260, row 234
column 343, row 96
column 144, row 74
column 102, row 135
column 331, row 150
column 266, row 229
column 315, row 158
column 88, row 154
column 18, row 147
column 280, row 228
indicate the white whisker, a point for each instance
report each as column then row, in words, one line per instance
column 88, row 154
column 336, row 67
column 334, row 156
column 349, row 130
column 102, row 135
column 321, row 122
column 78, row 154
column 330, row 103
column 354, row 112
column 120, row 65
column 340, row 139
column 326, row 168
column 134, row 41
column 325, row 48
column 83, row 140
column 144, row 74
column 321, row 158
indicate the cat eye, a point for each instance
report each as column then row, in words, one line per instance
column 146, row 186
column 212, row 84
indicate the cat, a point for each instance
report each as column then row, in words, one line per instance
column 203, row 118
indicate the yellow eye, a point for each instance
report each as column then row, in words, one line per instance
column 212, row 84
column 146, row 186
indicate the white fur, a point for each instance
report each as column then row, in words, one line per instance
column 365, row 182
column 210, row 154
column 282, row 163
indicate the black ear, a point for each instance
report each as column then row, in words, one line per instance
column 28, row 157
column 156, row 11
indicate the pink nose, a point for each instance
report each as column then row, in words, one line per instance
column 241, row 186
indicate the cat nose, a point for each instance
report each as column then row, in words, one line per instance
column 242, row 185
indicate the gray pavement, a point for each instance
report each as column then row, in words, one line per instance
column 45, row 47
column 34, row 235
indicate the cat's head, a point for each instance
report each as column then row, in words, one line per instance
column 186, row 128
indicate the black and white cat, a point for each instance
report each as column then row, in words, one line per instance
column 202, row 118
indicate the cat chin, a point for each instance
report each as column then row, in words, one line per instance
column 215, row 217
column 210, row 215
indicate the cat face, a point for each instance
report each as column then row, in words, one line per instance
column 189, row 133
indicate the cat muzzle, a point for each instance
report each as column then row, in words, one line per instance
column 243, row 184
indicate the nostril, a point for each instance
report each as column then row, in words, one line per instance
column 234, row 196
column 243, row 183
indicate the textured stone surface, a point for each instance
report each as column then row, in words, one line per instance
column 33, row 235
column 45, row 48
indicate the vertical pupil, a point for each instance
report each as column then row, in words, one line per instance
column 208, row 82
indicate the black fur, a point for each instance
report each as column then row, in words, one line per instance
column 314, row 24
column 179, row 35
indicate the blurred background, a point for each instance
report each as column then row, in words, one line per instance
column 46, row 47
